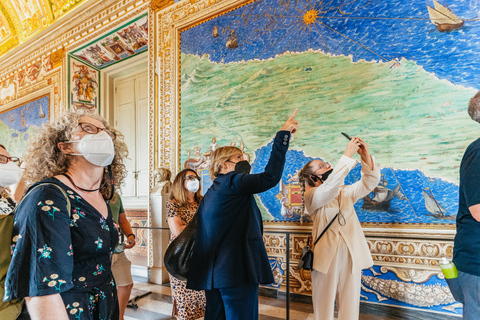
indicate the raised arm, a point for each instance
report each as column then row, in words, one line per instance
column 260, row 182
column 370, row 175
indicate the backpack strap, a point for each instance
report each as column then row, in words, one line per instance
column 69, row 205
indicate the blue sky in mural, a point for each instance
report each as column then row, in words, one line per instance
column 370, row 30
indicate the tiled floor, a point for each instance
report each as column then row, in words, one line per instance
column 158, row 305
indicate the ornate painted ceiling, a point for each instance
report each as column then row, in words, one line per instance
column 20, row 20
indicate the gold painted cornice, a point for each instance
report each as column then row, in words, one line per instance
column 57, row 57
column 157, row 5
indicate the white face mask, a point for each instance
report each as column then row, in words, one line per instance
column 193, row 185
column 9, row 174
column 97, row 148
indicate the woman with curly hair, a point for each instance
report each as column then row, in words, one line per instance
column 184, row 199
column 64, row 234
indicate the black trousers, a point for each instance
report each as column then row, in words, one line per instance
column 235, row 303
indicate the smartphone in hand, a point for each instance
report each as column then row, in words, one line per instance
column 346, row 136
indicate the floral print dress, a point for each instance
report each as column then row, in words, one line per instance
column 57, row 252
column 187, row 304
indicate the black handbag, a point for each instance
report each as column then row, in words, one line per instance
column 179, row 251
column 306, row 261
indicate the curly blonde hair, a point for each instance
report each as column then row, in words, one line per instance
column 45, row 160
column 219, row 156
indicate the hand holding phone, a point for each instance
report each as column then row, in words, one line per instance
column 346, row 136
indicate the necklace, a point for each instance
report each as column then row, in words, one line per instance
column 86, row 190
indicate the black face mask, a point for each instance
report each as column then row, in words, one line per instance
column 243, row 167
column 325, row 175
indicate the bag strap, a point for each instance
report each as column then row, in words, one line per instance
column 69, row 205
column 325, row 230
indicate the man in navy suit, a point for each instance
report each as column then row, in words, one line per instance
column 229, row 260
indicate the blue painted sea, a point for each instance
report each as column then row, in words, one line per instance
column 382, row 31
column 412, row 182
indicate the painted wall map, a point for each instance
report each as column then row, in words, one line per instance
column 124, row 42
column 22, row 121
column 84, row 86
column 393, row 73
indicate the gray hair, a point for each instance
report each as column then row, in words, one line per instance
column 474, row 107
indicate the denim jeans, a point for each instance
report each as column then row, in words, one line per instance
column 470, row 287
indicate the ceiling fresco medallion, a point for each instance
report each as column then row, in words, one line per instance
column 22, row 19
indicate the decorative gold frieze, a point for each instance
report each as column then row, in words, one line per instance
column 157, row 5
column 57, row 57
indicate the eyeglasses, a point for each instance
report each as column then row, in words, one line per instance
column 322, row 165
column 93, row 129
column 5, row 159
column 189, row 178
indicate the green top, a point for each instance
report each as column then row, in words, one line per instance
column 9, row 310
column 117, row 207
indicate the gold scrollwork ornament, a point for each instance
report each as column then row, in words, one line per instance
column 160, row 4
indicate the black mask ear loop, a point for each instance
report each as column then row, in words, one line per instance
column 112, row 188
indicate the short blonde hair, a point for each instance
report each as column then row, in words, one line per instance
column 220, row 156
column 44, row 159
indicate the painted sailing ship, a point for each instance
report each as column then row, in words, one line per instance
column 432, row 205
column 232, row 41
column 22, row 122
column 41, row 114
column 443, row 18
column 382, row 197
column 215, row 32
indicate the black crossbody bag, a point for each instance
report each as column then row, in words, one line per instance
column 306, row 261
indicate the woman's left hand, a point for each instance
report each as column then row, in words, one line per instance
column 130, row 242
column 363, row 150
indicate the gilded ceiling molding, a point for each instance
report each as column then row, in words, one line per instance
column 57, row 57
column 157, row 5
column 94, row 21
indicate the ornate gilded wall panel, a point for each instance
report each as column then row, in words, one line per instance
column 220, row 78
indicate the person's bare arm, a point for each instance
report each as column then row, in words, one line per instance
column 475, row 211
column 46, row 307
column 176, row 225
column 126, row 230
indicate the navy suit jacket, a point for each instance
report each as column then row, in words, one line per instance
column 229, row 249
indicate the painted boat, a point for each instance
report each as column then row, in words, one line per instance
column 443, row 18
column 232, row 41
column 432, row 204
column 382, row 197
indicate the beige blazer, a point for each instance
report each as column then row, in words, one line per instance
column 325, row 201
